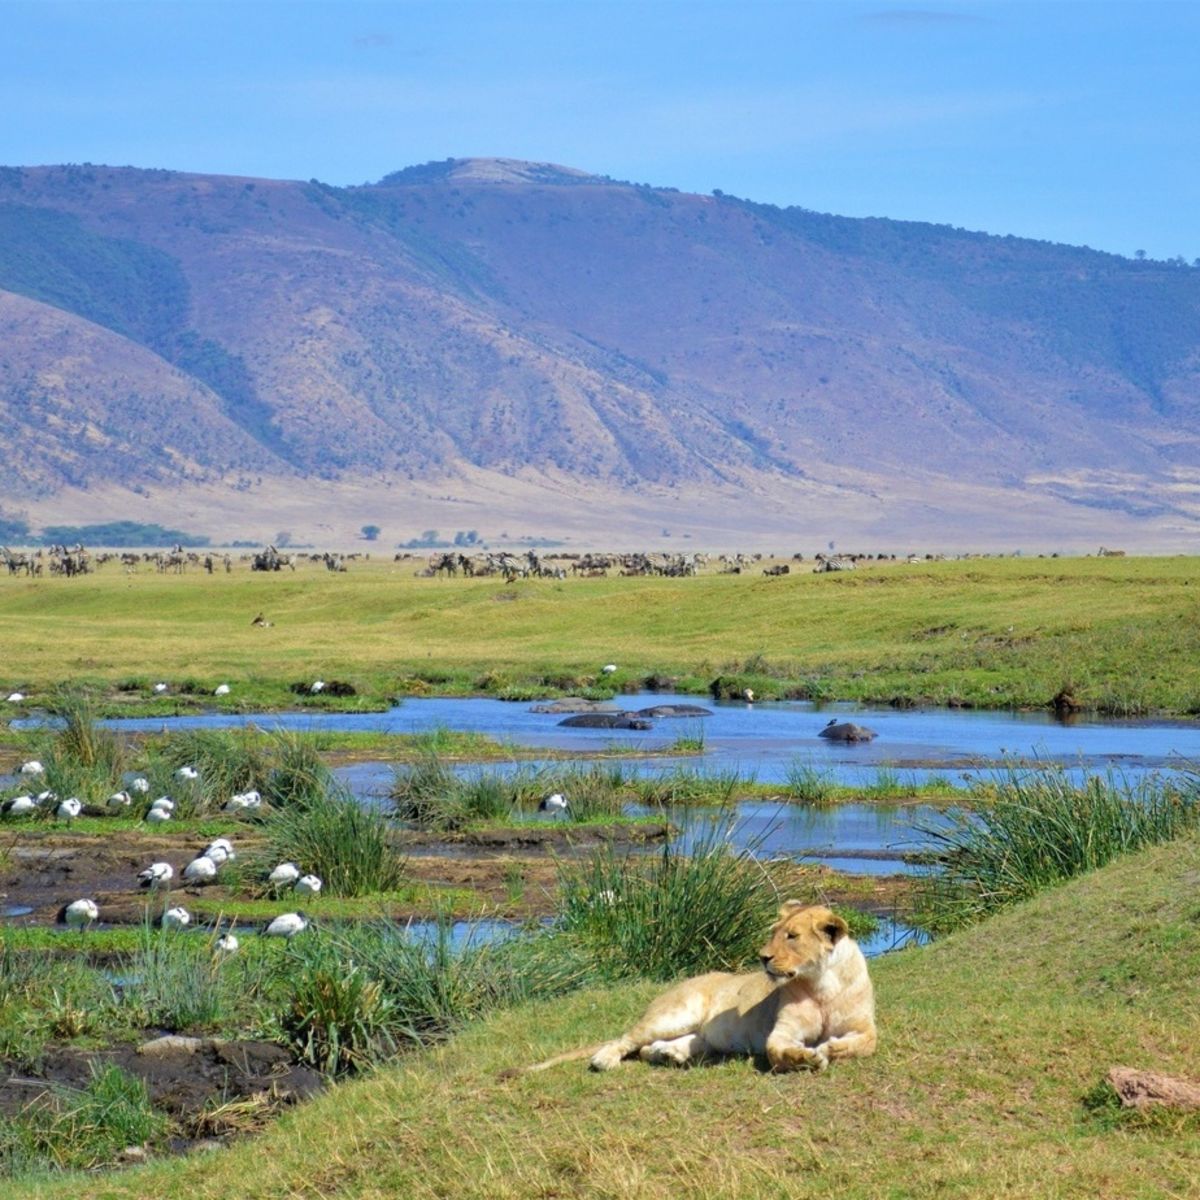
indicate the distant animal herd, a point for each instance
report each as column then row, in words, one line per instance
column 59, row 560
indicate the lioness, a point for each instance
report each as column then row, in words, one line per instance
column 811, row 1003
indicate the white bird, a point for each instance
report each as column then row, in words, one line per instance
column 283, row 875
column 219, row 850
column 287, row 925
column 226, row 944
column 79, row 914
column 140, row 785
column 609, row 668
column 176, row 918
column 156, row 875
column 19, row 806
column 307, row 885
column 16, row 697
column 156, row 816
column 187, row 773
column 748, row 695
column 556, row 803
column 120, row 800
column 42, row 797
column 32, row 767
column 222, row 689
column 200, row 870
column 318, row 686
column 160, row 687
column 165, row 803
column 69, row 809
column 242, row 802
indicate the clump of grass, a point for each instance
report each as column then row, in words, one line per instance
column 228, row 761
column 1042, row 829
column 371, row 989
column 176, row 982
column 297, row 773
column 81, row 1129
column 425, row 792
column 685, row 785
column 338, row 839
column 670, row 914
column 81, row 758
column 810, row 785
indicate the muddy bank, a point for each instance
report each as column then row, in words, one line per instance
column 209, row 1087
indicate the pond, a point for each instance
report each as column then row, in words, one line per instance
column 766, row 740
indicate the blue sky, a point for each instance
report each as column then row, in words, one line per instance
column 1073, row 121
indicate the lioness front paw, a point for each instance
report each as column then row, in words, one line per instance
column 792, row 1058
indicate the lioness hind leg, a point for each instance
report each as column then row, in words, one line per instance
column 851, row 1045
column 673, row 1015
column 794, row 1058
column 678, row 1052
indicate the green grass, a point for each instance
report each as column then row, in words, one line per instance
column 1039, row 830
column 1119, row 634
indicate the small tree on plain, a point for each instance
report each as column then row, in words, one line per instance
column 371, row 532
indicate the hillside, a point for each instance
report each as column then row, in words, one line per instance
column 485, row 343
column 991, row 1043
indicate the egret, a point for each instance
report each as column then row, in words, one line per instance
column 140, row 785
column 222, row 689
column 283, row 875
column 287, row 925
column 156, row 875
column 79, row 914
column 187, row 773
column 318, row 686
column 200, row 870
column 557, row 803
column 16, row 697
column 69, row 809
column 226, row 944
column 160, row 687
column 176, row 918
column 32, row 767
column 307, row 885
column 19, row 806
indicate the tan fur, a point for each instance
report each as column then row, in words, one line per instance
column 811, row 1003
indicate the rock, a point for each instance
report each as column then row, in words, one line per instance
column 847, row 731
column 607, row 720
column 174, row 1043
column 675, row 710
column 1145, row 1089
column 133, row 1154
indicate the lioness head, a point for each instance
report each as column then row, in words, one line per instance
column 801, row 941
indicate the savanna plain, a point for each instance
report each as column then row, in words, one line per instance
column 1065, row 913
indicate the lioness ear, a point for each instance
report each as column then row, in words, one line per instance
column 790, row 906
column 835, row 929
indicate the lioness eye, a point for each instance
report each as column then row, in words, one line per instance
column 791, row 937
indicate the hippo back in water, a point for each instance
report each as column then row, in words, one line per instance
column 846, row 731
column 606, row 720
column 675, row 710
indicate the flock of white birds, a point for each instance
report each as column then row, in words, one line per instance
column 158, row 876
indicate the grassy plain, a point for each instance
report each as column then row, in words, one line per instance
column 993, row 1044
column 1120, row 635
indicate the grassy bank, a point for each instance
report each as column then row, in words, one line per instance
column 1116, row 635
column 993, row 1042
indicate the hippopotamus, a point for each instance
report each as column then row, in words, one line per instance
column 846, row 731
column 675, row 710
column 574, row 704
column 606, row 720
